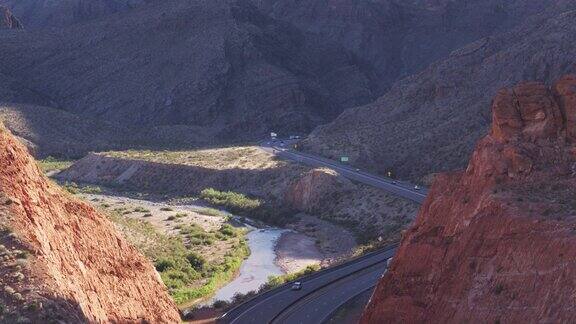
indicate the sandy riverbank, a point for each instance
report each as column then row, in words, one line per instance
column 312, row 241
column 296, row 251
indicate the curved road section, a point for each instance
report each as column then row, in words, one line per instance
column 324, row 291
column 397, row 188
column 321, row 292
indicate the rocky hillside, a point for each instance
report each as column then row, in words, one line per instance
column 234, row 70
column 63, row 262
column 58, row 133
column 7, row 19
column 38, row 14
column 495, row 243
column 221, row 66
column 429, row 122
column 395, row 38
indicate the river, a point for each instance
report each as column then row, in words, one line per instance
column 256, row 269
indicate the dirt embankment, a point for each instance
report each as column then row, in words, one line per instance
column 63, row 261
column 319, row 192
column 496, row 243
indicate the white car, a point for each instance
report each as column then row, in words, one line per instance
column 389, row 262
column 416, row 187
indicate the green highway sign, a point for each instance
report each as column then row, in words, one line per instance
column 344, row 159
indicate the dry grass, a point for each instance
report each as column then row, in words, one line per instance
column 243, row 157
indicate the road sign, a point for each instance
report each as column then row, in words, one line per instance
column 273, row 135
column 344, row 159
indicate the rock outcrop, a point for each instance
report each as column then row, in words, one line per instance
column 496, row 243
column 7, row 19
column 309, row 192
column 63, row 261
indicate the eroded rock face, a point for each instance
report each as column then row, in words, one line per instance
column 7, row 20
column 79, row 269
column 496, row 242
column 309, row 192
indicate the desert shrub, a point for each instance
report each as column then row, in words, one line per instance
column 228, row 230
column 197, row 261
column 276, row 281
column 166, row 209
column 141, row 210
column 219, row 304
column 164, row 264
column 233, row 201
column 210, row 212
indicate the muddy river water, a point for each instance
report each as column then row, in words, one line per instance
column 258, row 266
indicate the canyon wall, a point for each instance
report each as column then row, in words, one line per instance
column 63, row 261
column 496, row 243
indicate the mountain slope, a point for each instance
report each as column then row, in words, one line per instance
column 64, row 262
column 220, row 64
column 234, row 69
column 38, row 14
column 396, row 38
column 495, row 243
column 428, row 122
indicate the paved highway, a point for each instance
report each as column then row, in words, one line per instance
column 322, row 292
column 278, row 304
column 398, row 188
column 319, row 305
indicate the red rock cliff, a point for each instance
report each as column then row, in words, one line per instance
column 60, row 260
column 496, row 243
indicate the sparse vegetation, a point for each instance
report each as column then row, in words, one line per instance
column 184, row 270
column 209, row 212
column 243, row 205
column 74, row 188
column 242, row 157
column 54, row 164
column 232, row 201
column 140, row 209
column 276, row 281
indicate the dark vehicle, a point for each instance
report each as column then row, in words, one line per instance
column 296, row 286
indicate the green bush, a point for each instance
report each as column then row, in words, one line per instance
column 196, row 261
column 276, row 281
column 164, row 264
column 141, row 210
column 228, row 230
column 254, row 208
column 235, row 202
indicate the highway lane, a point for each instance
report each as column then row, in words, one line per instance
column 318, row 306
column 398, row 188
column 323, row 292
column 266, row 307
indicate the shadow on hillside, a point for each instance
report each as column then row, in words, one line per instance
column 62, row 134
column 178, row 179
